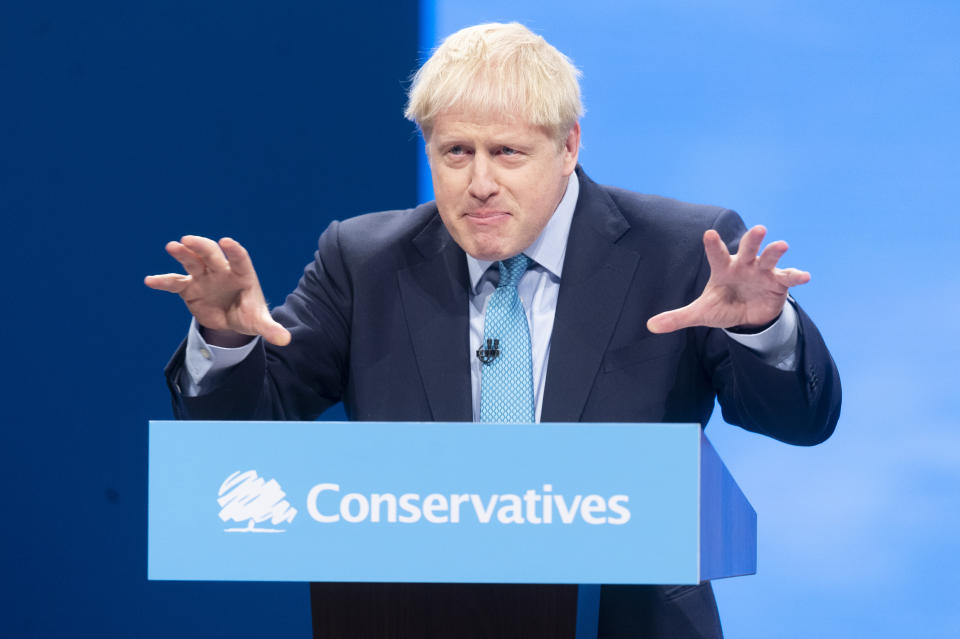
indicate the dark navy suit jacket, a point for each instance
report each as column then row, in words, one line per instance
column 380, row 321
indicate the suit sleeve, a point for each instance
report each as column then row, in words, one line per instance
column 798, row 406
column 295, row 382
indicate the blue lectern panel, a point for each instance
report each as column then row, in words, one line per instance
column 552, row 503
column 728, row 523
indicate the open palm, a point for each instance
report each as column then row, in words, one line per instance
column 221, row 290
column 744, row 290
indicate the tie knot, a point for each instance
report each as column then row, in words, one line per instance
column 512, row 269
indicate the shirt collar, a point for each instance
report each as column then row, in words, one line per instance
column 550, row 247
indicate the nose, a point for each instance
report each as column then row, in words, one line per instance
column 483, row 183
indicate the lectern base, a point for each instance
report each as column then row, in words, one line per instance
column 507, row 611
column 427, row 611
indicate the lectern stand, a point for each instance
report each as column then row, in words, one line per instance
column 445, row 529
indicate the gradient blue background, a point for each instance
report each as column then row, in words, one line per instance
column 835, row 125
column 127, row 125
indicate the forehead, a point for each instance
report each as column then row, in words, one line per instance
column 475, row 126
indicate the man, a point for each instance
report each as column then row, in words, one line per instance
column 622, row 318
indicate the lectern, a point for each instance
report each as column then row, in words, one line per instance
column 413, row 529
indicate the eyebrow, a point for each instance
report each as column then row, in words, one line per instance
column 457, row 141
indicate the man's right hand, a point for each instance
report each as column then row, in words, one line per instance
column 221, row 290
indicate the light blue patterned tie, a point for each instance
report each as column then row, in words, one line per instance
column 506, row 383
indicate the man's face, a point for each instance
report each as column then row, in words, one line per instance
column 497, row 182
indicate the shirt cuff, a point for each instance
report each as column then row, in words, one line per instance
column 204, row 362
column 777, row 345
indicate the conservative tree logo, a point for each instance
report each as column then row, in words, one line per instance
column 246, row 497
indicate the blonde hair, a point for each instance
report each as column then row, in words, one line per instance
column 498, row 69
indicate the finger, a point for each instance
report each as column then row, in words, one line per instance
column 772, row 254
column 717, row 254
column 273, row 332
column 750, row 242
column 189, row 260
column 207, row 250
column 240, row 262
column 673, row 320
column 171, row 282
column 791, row 277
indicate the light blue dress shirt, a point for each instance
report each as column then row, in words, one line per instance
column 539, row 289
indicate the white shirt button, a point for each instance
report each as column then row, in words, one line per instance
column 205, row 353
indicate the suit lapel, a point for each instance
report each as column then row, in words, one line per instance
column 434, row 292
column 596, row 277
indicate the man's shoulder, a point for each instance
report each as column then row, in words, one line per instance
column 658, row 219
column 661, row 210
column 383, row 228
column 384, row 240
column 649, row 224
column 384, row 231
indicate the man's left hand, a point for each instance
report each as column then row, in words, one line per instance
column 744, row 290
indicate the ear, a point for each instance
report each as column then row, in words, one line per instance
column 571, row 150
column 426, row 148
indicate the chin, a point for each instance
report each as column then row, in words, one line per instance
column 490, row 255
column 490, row 251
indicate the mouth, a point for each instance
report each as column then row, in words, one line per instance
column 486, row 215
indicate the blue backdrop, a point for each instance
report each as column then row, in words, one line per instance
column 125, row 126
column 835, row 125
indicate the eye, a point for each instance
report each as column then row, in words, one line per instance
column 456, row 149
column 508, row 151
